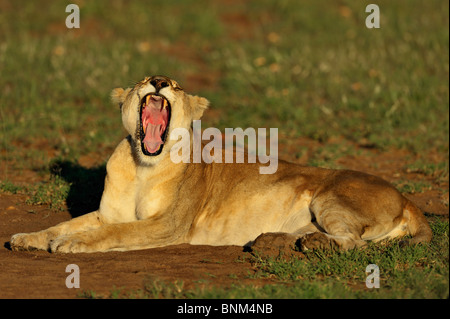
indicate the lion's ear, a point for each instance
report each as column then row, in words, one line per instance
column 118, row 95
column 198, row 105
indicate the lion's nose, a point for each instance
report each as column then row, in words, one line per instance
column 159, row 82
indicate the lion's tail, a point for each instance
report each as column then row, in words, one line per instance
column 417, row 224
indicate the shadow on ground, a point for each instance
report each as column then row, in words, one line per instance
column 86, row 185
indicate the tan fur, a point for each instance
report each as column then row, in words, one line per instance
column 149, row 201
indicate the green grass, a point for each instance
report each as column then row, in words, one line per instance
column 9, row 187
column 53, row 193
column 335, row 77
column 437, row 171
column 311, row 69
column 412, row 187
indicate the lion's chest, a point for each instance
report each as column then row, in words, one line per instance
column 151, row 199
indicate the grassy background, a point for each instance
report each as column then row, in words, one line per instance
column 310, row 68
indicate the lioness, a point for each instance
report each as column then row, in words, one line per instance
column 150, row 201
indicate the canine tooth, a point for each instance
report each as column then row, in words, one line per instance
column 164, row 103
column 147, row 99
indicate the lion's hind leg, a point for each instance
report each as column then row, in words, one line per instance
column 334, row 229
column 327, row 241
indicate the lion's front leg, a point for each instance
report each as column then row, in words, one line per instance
column 41, row 240
column 135, row 235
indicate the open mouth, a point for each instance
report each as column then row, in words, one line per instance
column 155, row 118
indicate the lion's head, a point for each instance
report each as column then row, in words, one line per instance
column 152, row 110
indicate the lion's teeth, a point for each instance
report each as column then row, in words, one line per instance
column 147, row 99
column 164, row 103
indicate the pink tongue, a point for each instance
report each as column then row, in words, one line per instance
column 155, row 122
column 152, row 138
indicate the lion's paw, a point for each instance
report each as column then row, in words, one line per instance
column 28, row 242
column 275, row 245
column 68, row 244
column 316, row 241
